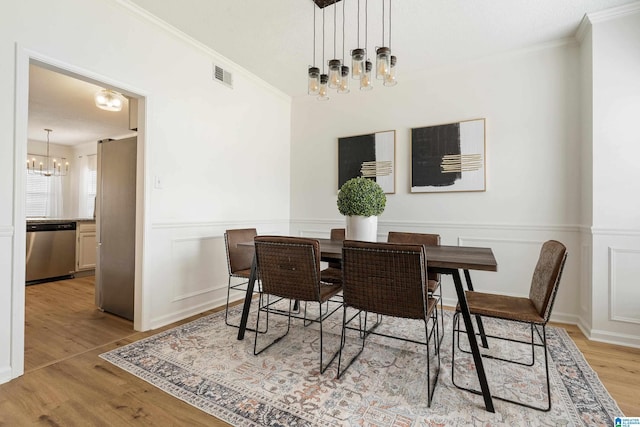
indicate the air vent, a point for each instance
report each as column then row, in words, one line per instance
column 223, row 76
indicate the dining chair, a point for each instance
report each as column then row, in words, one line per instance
column 434, row 278
column 289, row 269
column 333, row 272
column 533, row 310
column 388, row 280
column 239, row 260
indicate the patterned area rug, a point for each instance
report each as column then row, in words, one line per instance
column 203, row 364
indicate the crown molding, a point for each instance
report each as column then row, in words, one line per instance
column 604, row 15
column 614, row 12
column 217, row 57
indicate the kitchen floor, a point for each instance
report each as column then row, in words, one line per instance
column 62, row 320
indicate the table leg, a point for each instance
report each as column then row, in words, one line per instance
column 473, row 343
column 247, row 299
column 483, row 337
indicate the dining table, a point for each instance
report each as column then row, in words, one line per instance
column 448, row 260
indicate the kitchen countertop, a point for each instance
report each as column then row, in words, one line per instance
column 53, row 220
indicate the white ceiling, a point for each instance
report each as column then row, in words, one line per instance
column 65, row 105
column 274, row 40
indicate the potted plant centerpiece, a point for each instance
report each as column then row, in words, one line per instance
column 361, row 200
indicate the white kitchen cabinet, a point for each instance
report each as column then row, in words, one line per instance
column 86, row 245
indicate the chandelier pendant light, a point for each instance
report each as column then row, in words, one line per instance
column 109, row 100
column 47, row 166
column 362, row 68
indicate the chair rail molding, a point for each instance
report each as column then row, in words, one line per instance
column 627, row 232
column 408, row 225
column 218, row 224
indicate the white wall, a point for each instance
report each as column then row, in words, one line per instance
column 213, row 148
column 616, row 176
column 530, row 101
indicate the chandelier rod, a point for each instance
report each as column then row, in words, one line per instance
column 366, row 26
column 334, row 29
column 343, row 2
column 358, row 24
column 390, row 24
column 48, row 159
column 314, row 35
column 382, row 24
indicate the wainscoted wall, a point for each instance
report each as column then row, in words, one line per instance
column 206, row 144
column 616, row 286
column 190, row 259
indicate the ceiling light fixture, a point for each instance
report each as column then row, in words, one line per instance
column 361, row 66
column 109, row 100
column 44, row 165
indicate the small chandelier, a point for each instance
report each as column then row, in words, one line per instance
column 362, row 67
column 45, row 165
column 109, row 100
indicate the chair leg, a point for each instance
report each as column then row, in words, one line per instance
column 343, row 339
column 324, row 368
column 226, row 311
column 255, row 342
column 441, row 317
column 430, row 336
column 543, row 338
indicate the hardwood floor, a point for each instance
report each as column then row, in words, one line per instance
column 66, row 383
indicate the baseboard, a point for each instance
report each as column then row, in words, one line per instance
column 624, row 340
column 5, row 374
column 85, row 273
column 177, row 316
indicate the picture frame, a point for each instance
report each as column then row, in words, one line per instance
column 371, row 155
column 448, row 157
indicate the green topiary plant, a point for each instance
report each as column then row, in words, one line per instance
column 361, row 196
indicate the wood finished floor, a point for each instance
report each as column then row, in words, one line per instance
column 67, row 384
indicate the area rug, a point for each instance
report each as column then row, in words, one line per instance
column 203, row 364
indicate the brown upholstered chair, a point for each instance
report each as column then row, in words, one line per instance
column 388, row 280
column 534, row 311
column 289, row 268
column 434, row 278
column 239, row 260
column 333, row 273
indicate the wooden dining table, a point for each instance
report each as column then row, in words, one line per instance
column 440, row 259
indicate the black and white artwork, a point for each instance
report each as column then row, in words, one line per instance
column 449, row 157
column 371, row 155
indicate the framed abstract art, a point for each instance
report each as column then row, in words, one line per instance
column 448, row 157
column 372, row 155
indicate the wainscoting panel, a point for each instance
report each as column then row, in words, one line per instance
column 624, row 276
column 200, row 265
column 186, row 270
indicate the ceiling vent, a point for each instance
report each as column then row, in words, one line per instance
column 223, row 76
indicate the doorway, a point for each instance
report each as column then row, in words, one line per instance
column 25, row 59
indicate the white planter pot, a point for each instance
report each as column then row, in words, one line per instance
column 364, row 228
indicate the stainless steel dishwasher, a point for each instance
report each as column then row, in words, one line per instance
column 51, row 251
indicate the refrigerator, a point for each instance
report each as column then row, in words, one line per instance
column 116, row 226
